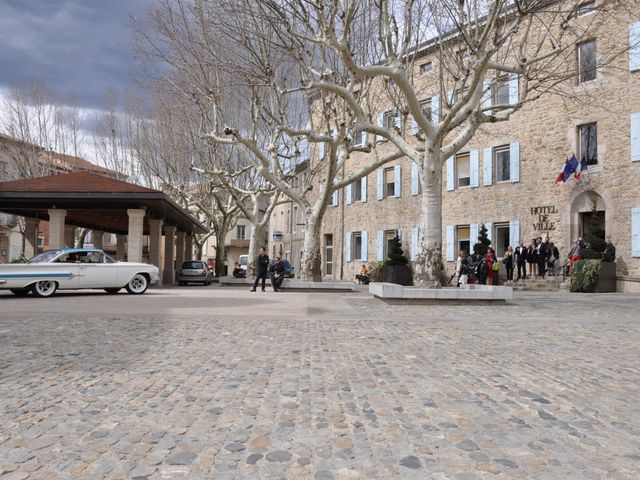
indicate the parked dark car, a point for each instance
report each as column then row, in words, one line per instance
column 288, row 269
column 195, row 271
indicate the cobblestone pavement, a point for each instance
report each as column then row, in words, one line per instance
column 219, row 383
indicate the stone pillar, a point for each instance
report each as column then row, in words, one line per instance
column 169, row 274
column 179, row 248
column 188, row 248
column 31, row 237
column 97, row 238
column 136, row 234
column 56, row 227
column 155, row 244
column 121, row 241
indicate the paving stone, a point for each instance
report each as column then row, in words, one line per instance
column 181, row 458
column 278, row 456
column 253, row 458
column 411, row 462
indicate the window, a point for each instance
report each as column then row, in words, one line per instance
column 389, row 235
column 463, row 170
column 463, row 234
column 589, row 143
column 358, row 138
column 356, row 241
column 389, row 182
column 328, row 254
column 500, row 240
column 295, row 219
column 502, row 160
column 357, row 188
column 587, row 61
column 586, row 8
column 389, row 119
column 426, row 108
column 500, row 92
column 425, row 68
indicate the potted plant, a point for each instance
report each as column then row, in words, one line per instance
column 396, row 266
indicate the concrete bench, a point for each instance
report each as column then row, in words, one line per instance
column 465, row 295
column 292, row 284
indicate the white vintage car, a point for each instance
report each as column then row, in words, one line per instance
column 75, row 268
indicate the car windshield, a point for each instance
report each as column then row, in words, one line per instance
column 45, row 257
column 192, row 265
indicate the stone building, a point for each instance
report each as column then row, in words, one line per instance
column 504, row 177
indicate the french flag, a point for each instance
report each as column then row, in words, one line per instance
column 570, row 166
column 582, row 167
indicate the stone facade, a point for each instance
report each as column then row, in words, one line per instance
column 539, row 137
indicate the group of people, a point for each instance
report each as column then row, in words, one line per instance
column 276, row 271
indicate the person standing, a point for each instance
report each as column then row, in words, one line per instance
column 532, row 258
column 543, row 253
column 277, row 274
column 508, row 262
column 262, row 269
column 609, row 251
column 462, row 269
column 491, row 258
column 554, row 255
column 520, row 257
column 575, row 254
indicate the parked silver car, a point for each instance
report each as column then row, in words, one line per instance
column 194, row 271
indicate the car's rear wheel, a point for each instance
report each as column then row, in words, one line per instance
column 44, row 288
column 138, row 284
column 20, row 292
column 112, row 291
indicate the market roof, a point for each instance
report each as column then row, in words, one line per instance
column 92, row 201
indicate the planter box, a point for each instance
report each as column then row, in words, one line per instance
column 398, row 274
column 607, row 278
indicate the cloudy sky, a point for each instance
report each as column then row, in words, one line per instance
column 78, row 48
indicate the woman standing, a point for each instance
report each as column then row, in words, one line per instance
column 462, row 269
column 532, row 259
column 508, row 262
column 490, row 260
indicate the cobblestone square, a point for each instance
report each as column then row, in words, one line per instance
column 218, row 383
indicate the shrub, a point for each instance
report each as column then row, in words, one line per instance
column 375, row 271
column 584, row 276
column 396, row 254
column 20, row 259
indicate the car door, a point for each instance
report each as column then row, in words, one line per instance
column 96, row 273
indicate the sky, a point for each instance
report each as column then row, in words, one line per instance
column 78, row 48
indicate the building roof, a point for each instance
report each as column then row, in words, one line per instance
column 92, row 201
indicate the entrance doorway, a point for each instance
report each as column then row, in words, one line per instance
column 328, row 254
column 594, row 222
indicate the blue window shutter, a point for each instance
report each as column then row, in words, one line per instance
column 347, row 247
column 634, row 46
column 486, row 96
column 435, row 109
column 450, row 174
column 489, row 227
column 414, row 126
column 397, row 120
column 449, row 243
column 414, row 179
column 473, row 235
column 380, row 192
column 635, row 232
column 415, row 235
column 514, row 161
column 363, row 189
column 397, row 180
column 365, row 246
column 380, row 252
column 334, row 199
column 474, row 156
column 450, row 98
column 514, row 94
column 321, row 150
column 348, row 192
column 635, row 136
column 487, row 166
column 514, row 233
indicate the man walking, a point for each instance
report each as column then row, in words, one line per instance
column 262, row 269
column 521, row 260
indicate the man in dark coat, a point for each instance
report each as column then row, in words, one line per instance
column 520, row 256
column 543, row 253
column 277, row 275
column 262, row 269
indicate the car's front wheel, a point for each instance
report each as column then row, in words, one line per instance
column 20, row 292
column 112, row 291
column 44, row 288
column 138, row 284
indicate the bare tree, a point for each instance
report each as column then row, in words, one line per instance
column 317, row 74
